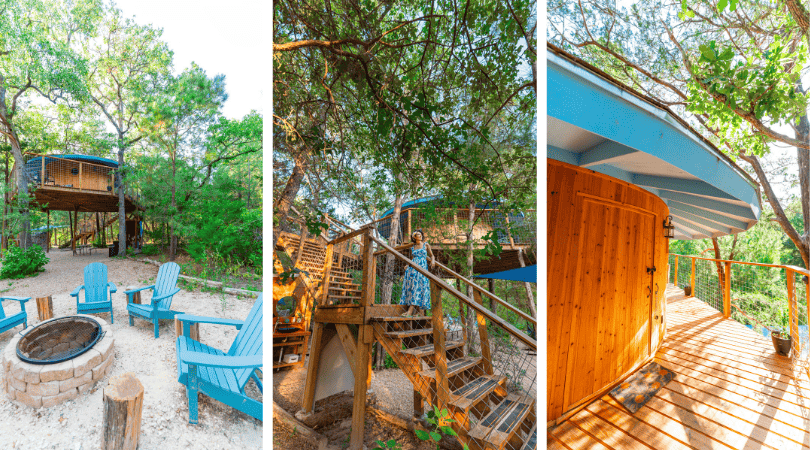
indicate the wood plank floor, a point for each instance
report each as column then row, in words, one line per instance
column 730, row 391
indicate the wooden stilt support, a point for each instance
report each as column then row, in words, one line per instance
column 123, row 405
column 48, row 248
column 418, row 404
column 360, row 385
column 44, row 308
column 312, row 368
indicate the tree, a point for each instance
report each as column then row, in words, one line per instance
column 179, row 118
column 385, row 82
column 127, row 60
column 36, row 58
column 734, row 74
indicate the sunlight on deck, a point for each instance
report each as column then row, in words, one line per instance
column 730, row 390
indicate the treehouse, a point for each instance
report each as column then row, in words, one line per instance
column 78, row 183
column 445, row 227
column 623, row 170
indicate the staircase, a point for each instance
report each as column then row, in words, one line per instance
column 342, row 288
column 487, row 416
column 489, row 412
column 88, row 233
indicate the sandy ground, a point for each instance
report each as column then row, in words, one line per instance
column 76, row 424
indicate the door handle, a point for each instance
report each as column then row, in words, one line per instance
column 656, row 290
column 651, row 270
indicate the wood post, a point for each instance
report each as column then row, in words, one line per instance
column 675, row 282
column 312, row 368
column 327, row 273
column 692, row 278
column 44, row 308
column 360, row 386
column 727, row 292
column 72, row 239
column 194, row 328
column 793, row 324
column 81, row 166
column 527, row 285
column 136, row 296
column 48, row 249
column 482, row 334
column 123, row 405
column 418, row 405
column 437, row 319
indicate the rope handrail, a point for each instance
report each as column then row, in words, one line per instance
column 461, row 297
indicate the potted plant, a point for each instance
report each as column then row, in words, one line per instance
column 782, row 342
column 687, row 290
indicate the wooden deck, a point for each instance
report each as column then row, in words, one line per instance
column 730, row 391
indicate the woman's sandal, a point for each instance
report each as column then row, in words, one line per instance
column 405, row 314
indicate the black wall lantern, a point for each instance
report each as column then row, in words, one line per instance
column 669, row 228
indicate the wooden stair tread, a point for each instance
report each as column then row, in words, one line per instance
column 399, row 318
column 429, row 349
column 454, row 367
column 409, row 333
column 473, row 392
column 503, row 421
column 350, row 297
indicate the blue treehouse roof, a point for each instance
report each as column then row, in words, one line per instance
column 36, row 162
column 596, row 122
column 526, row 274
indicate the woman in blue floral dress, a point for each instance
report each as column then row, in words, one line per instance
column 416, row 287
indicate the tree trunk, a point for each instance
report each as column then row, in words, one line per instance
column 285, row 200
column 122, row 209
column 173, row 236
column 470, row 263
column 803, row 133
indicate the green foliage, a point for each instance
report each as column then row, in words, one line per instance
column 150, row 250
column 438, row 420
column 18, row 263
column 389, row 362
column 390, row 445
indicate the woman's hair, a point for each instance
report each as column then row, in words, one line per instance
column 420, row 232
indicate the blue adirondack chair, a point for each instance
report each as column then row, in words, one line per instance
column 162, row 293
column 219, row 375
column 21, row 318
column 96, row 298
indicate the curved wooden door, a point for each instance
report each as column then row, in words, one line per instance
column 610, row 332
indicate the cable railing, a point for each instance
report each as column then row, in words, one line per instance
column 57, row 172
column 763, row 297
column 451, row 225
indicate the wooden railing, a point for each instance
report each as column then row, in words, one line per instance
column 793, row 276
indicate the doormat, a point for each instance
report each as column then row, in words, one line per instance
column 635, row 391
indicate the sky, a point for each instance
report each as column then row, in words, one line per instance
column 221, row 37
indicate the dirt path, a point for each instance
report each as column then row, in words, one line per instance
column 76, row 424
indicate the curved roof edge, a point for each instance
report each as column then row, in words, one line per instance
column 85, row 158
column 596, row 121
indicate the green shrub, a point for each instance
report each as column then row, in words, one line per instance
column 19, row 263
column 150, row 250
column 98, row 243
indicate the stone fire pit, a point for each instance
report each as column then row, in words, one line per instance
column 38, row 385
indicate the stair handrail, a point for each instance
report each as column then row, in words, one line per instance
column 480, row 309
column 492, row 296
